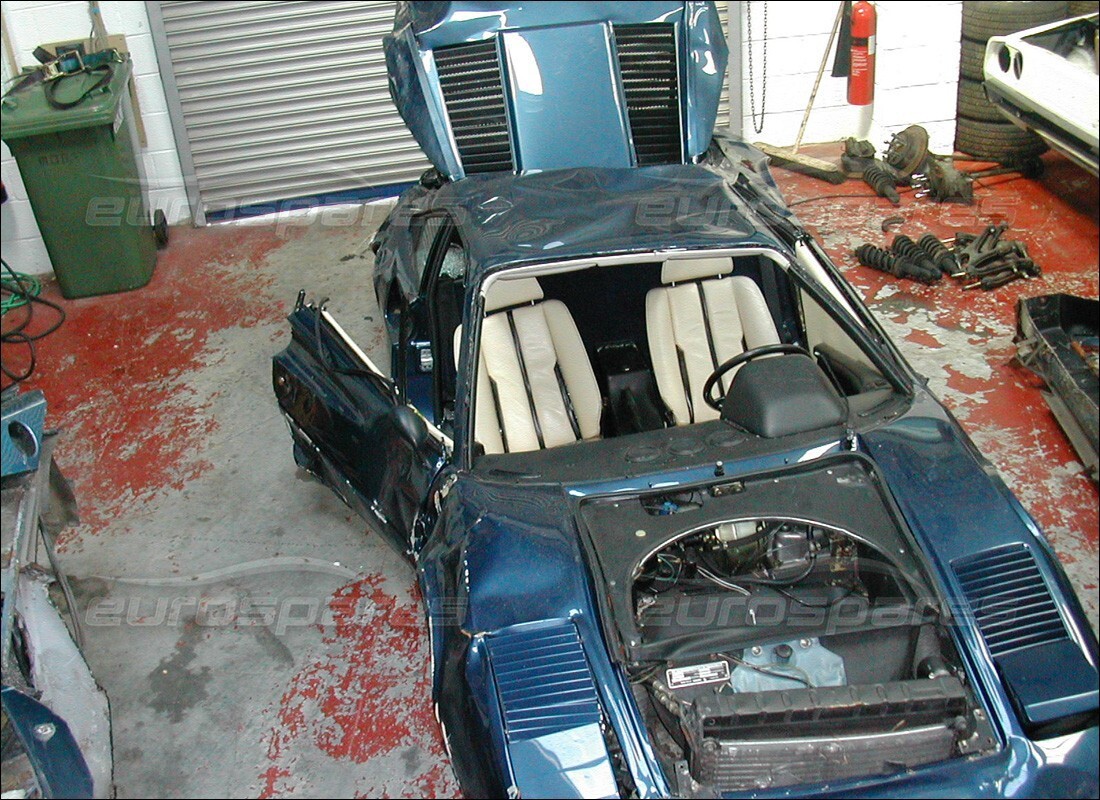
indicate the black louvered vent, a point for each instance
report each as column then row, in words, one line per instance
column 647, row 63
column 469, row 75
column 1010, row 600
column 544, row 682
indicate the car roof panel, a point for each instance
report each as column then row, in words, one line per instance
column 579, row 213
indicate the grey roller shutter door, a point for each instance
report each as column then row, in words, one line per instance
column 290, row 99
column 286, row 99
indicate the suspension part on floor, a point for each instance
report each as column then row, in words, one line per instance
column 885, row 261
column 996, row 280
column 946, row 184
column 938, row 252
column 876, row 176
column 907, row 150
column 905, row 248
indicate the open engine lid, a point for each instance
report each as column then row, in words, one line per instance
column 519, row 87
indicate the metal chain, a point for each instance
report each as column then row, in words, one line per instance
column 758, row 124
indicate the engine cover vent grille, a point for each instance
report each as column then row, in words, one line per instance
column 1010, row 601
column 543, row 680
column 651, row 84
column 473, row 92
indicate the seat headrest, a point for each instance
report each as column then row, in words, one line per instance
column 694, row 269
column 514, row 292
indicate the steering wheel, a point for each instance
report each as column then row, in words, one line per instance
column 738, row 360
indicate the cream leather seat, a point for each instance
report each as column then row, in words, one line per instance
column 701, row 317
column 535, row 385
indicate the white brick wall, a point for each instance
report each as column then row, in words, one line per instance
column 917, row 69
column 31, row 23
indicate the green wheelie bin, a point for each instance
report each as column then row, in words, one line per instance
column 76, row 147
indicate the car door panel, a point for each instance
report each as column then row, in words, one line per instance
column 342, row 413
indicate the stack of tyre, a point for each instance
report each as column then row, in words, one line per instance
column 981, row 130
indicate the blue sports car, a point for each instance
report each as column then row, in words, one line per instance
column 684, row 520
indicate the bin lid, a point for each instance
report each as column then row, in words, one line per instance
column 28, row 113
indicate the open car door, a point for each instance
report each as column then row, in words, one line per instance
column 351, row 429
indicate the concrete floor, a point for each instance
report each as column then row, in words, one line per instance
column 253, row 636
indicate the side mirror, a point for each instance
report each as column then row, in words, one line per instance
column 411, row 426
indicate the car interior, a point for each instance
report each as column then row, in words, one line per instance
column 555, row 366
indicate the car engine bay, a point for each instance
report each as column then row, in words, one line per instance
column 775, row 649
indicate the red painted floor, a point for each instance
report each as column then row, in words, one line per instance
column 962, row 340
column 183, row 472
column 108, row 372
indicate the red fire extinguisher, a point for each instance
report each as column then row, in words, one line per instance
column 861, row 79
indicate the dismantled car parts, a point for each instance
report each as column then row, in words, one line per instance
column 974, row 250
column 905, row 248
column 908, row 157
column 981, row 261
column 987, row 261
column 907, row 150
column 943, row 258
column 893, row 264
column 883, row 180
column 909, row 161
column 1057, row 338
column 1028, row 168
column 890, row 222
column 944, row 183
column 858, row 155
